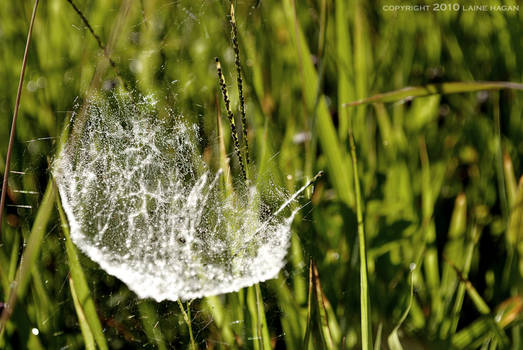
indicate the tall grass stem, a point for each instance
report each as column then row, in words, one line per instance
column 15, row 117
column 187, row 318
column 366, row 327
column 99, row 42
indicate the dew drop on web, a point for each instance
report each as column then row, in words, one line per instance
column 143, row 204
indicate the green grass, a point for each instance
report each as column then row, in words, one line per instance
column 434, row 179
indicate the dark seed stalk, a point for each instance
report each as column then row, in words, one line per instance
column 99, row 42
column 237, row 63
column 230, row 115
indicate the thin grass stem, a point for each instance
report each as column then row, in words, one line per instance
column 309, row 308
column 101, row 68
column 15, row 116
column 262, row 327
column 187, row 318
column 99, row 42
column 324, row 321
column 19, row 286
column 366, row 327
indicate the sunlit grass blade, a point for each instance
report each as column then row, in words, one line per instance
column 30, row 254
column 510, row 179
column 436, row 89
column 256, row 314
column 366, row 322
column 478, row 301
column 474, row 335
column 262, row 319
column 515, row 227
column 393, row 339
column 322, row 312
column 514, row 234
column 475, row 233
column 306, row 340
column 362, row 80
column 79, row 282
column 41, row 298
column 509, row 311
column 377, row 341
column 431, row 261
column 453, row 248
column 502, row 190
column 84, row 326
column 339, row 173
column 344, row 64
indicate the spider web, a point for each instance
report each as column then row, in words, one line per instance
column 143, row 204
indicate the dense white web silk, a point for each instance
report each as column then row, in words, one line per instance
column 142, row 203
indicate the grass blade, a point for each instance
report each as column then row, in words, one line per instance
column 377, row 341
column 262, row 320
column 515, row 227
column 436, row 89
column 187, row 318
column 324, row 321
column 509, row 311
column 366, row 326
column 260, row 333
column 473, row 335
column 293, row 315
column 510, row 179
column 480, row 331
column 344, row 63
column 394, row 340
column 30, row 254
column 431, row 261
column 339, row 173
column 309, row 309
column 79, row 282
column 467, row 262
column 480, row 304
column 84, row 326
column 453, row 248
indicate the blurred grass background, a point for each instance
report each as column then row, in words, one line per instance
column 440, row 175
